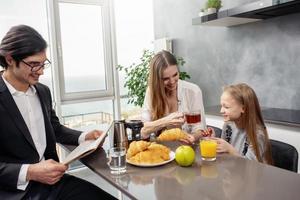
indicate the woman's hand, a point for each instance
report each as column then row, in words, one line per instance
column 225, row 147
column 190, row 140
column 175, row 119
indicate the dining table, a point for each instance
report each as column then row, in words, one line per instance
column 228, row 177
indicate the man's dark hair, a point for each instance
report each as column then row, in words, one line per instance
column 20, row 42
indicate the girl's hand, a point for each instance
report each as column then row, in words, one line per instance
column 208, row 132
column 224, row 147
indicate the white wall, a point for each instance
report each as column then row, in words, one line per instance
column 290, row 135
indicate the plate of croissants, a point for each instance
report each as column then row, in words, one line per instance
column 148, row 154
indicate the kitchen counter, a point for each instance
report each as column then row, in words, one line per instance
column 225, row 178
column 279, row 116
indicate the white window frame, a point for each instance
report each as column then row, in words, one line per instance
column 72, row 97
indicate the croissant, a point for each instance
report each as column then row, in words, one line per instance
column 136, row 147
column 152, row 152
column 146, row 157
column 161, row 150
column 172, row 135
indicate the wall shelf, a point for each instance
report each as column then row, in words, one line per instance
column 252, row 12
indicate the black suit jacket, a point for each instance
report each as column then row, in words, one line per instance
column 16, row 144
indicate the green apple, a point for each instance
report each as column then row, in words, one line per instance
column 185, row 155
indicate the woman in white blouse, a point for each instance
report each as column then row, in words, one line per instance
column 167, row 97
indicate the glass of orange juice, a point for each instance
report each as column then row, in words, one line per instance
column 208, row 148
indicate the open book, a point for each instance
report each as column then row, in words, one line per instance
column 85, row 148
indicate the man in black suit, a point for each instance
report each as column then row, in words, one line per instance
column 29, row 127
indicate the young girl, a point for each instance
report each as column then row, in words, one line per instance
column 244, row 132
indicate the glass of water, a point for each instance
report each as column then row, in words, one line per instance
column 117, row 160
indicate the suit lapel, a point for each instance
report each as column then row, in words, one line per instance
column 9, row 104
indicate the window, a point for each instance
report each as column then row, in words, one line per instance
column 85, row 57
column 85, row 69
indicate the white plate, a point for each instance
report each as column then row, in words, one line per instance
column 172, row 157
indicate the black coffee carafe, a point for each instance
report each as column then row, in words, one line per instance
column 133, row 129
column 122, row 133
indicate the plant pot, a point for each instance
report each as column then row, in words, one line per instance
column 201, row 13
column 211, row 10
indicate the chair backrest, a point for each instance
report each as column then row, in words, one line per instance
column 284, row 155
column 217, row 130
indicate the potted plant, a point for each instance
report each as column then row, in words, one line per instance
column 136, row 77
column 213, row 6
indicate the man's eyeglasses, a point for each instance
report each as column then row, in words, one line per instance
column 36, row 66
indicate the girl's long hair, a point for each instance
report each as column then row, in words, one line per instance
column 251, row 119
column 156, row 86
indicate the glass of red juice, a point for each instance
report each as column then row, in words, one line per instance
column 192, row 117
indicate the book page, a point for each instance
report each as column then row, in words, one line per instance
column 84, row 148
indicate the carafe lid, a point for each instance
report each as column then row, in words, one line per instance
column 134, row 123
column 121, row 121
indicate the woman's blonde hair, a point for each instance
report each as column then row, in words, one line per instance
column 158, row 97
column 251, row 119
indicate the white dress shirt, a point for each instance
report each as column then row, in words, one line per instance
column 189, row 99
column 30, row 108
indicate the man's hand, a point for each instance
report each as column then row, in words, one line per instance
column 93, row 135
column 47, row 172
